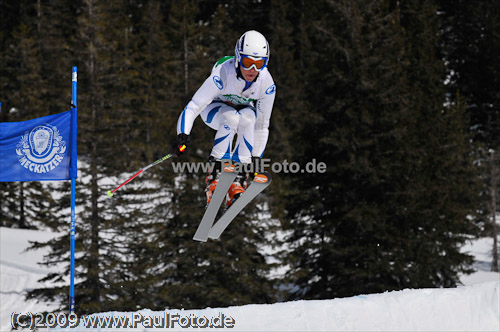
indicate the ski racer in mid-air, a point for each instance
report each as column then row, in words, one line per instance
column 237, row 98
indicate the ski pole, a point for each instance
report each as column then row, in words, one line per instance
column 111, row 192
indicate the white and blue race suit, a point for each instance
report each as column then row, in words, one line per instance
column 231, row 105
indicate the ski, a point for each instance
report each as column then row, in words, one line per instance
column 226, row 178
column 259, row 183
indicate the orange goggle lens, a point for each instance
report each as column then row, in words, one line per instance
column 247, row 63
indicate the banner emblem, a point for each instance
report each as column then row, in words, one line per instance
column 41, row 149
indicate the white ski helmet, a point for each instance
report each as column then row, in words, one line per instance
column 253, row 46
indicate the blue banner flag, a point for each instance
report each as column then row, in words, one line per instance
column 41, row 149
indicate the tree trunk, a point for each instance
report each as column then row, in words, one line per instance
column 494, row 227
column 93, row 272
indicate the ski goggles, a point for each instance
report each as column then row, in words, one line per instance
column 248, row 62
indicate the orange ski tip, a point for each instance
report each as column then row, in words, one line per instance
column 262, row 178
column 182, row 148
column 229, row 168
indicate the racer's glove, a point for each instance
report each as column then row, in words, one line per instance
column 179, row 147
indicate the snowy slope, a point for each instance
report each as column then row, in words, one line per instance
column 20, row 272
column 468, row 308
column 473, row 307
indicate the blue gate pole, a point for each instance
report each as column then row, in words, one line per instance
column 73, row 194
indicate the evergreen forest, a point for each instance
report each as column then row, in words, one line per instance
column 399, row 99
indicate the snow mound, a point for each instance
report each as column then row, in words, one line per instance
column 468, row 308
column 475, row 307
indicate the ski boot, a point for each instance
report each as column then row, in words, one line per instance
column 212, row 179
column 237, row 189
column 211, row 183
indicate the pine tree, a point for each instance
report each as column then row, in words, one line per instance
column 382, row 216
column 470, row 42
column 470, row 46
column 447, row 182
column 106, row 119
column 289, row 106
column 54, row 29
column 154, row 119
column 24, row 205
column 88, row 294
